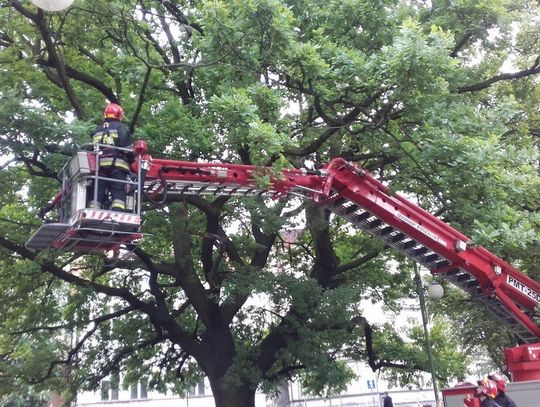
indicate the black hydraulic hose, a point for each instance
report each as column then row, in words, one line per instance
column 163, row 183
column 45, row 210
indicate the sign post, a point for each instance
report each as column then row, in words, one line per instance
column 371, row 387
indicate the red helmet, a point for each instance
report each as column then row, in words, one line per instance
column 487, row 387
column 113, row 111
column 500, row 380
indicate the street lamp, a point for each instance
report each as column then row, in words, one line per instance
column 52, row 5
column 435, row 290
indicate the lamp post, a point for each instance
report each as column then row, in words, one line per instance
column 435, row 291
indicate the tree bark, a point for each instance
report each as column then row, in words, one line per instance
column 228, row 395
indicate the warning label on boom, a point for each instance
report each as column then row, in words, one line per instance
column 420, row 228
column 518, row 285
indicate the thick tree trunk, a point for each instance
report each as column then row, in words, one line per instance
column 217, row 363
column 230, row 395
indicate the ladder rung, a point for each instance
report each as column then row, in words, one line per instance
column 441, row 264
column 218, row 190
column 339, row 202
column 410, row 244
column 463, row 277
column 362, row 217
column 385, row 231
column 453, row 272
column 375, row 223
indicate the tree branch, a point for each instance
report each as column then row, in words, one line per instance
column 180, row 17
column 533, row 70
column 357, row 262
column 85, row 78
column 58, row 63
column 468, row 35
column 140, row 100
column 80, row 343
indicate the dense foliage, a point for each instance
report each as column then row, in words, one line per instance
column 437, row 98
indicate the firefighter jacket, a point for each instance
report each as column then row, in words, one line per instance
column 504, row 401
column 489, row 403
column 112, row 132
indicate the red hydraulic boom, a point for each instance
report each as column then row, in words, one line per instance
column 353, row 194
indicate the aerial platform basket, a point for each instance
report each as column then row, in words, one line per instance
column 81, row 229
column 92, row 230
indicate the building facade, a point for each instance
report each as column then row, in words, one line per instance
column 365, row 391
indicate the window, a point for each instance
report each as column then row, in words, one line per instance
column 413, row 321
column 105, row 387
column 200, row 388
column 144, row 394
column 197, row 390
column 114, row 393
column 134, row 393
column 115, row 384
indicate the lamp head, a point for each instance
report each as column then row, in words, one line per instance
column 52, row 5
column 435, row 290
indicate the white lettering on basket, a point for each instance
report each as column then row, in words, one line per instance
column 420, row 228
column 518, row 285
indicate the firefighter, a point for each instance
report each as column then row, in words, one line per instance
column 387, row 400
column 112, row 163
column 486, row 392
column 502, row 398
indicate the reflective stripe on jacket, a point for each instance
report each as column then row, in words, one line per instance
column 106, row 136
column 112, row 132
column 116, row 162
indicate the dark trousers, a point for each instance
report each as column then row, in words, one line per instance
column 116, row 189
